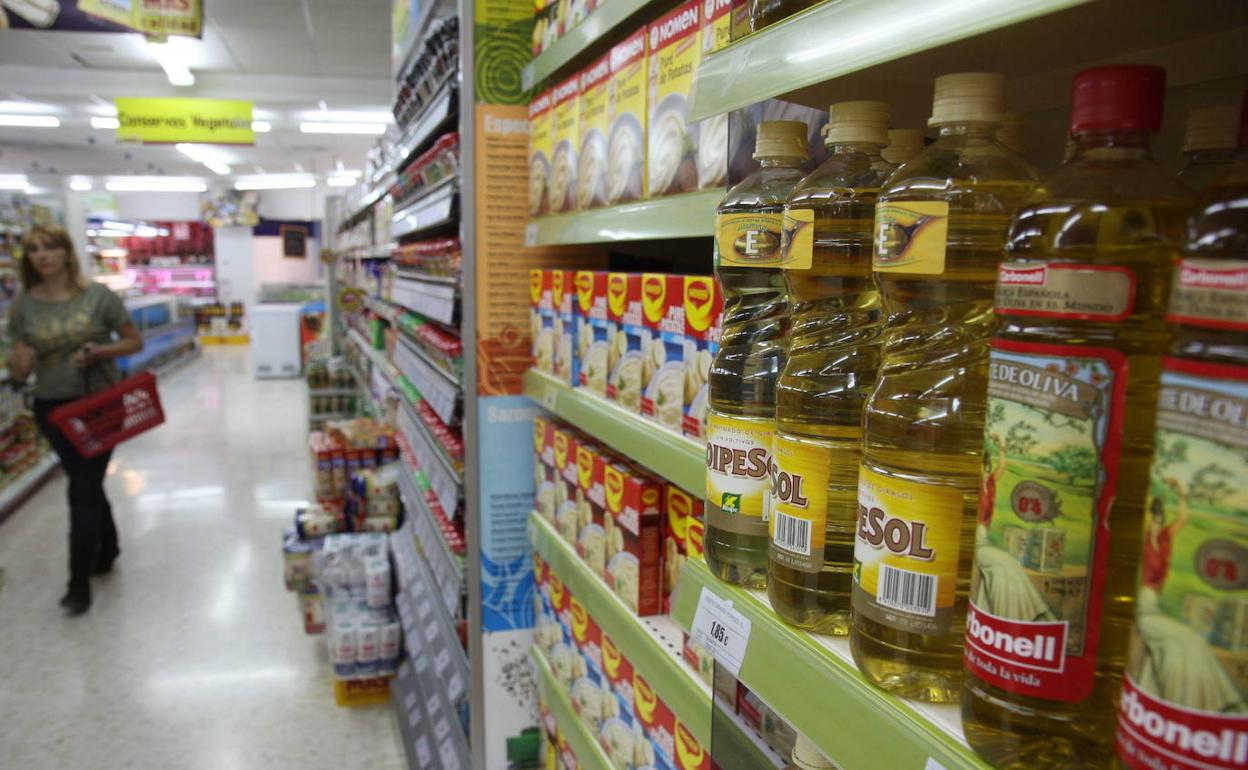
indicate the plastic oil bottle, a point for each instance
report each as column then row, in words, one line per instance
column 903, row 144
column 1208, row 145
column 940, row 224
column 1186, row 662
column 742, row 414
column 1081, row 304
column 764, row 13
column 834, row 353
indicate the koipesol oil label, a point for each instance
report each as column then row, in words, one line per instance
column 1050, row 470
column 738, row 471
column 1184, row 702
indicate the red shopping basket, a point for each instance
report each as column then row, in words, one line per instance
column 98, row 422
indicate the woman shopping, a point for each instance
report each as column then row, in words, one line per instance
column 67, row 332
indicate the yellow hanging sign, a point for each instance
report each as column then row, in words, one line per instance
column 198, row 121
column 151, row 17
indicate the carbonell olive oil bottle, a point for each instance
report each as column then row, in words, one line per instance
column 1072, row 393
column 742, row 416
column 1184, row 702
column 834, row 351
column 941, row 221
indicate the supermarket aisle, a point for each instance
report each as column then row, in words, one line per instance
column 193, row 655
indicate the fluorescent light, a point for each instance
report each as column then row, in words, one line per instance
column 299, row 167
column 24, row 107
column 321, row 127
column 217, row 168
column 200, row 154
column 349, row 116
column 111, row 225
column 340, row 181
column 14, row 183
column 114, row 234
column 154, row 184
column 30, row 121
column 105, row 123
column 274, row 183
column 175, row 69
column 261, row 126
column 80, row 185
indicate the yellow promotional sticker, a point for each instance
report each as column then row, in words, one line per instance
column 799, row 502
column 910, row 237
column 748, row 239
column 797, row 239
column 738, row 459
column 906, row 552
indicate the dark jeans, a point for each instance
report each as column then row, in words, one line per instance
column 90, row 513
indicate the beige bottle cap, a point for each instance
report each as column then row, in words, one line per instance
column 968, row 97
column 808, row 757
column 1011, row 132
column 1212, row 128
column 857, row 122
column 903, row 144
column 782, row 139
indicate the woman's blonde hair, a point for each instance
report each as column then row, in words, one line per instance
column 50, row 237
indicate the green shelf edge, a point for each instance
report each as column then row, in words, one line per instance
column 675, row 458
column 671, row 679
column 836, row 38
column 820, row 694
column 602, row 21
column 587, row 749
column 690, row 215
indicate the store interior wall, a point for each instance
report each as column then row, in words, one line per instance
column 235, row 277
column 270, row 266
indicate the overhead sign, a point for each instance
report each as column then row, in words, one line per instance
column 151, row 17
column 197, row 121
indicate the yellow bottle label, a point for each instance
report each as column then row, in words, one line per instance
column 910, row 237
column 748, row 240
column 906, row 552
column 799, row 502
column 738, row 463
column 797, row 239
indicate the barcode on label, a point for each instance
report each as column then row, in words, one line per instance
column 792, row 533
column 907, row 591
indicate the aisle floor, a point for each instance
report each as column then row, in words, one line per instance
column 193, row 655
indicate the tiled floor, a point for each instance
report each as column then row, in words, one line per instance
column 193, row 655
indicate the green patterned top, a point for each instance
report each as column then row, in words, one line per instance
column 57, row 329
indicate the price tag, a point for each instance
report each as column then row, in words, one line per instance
column 431, row 633
column 450, row 757
column 530, row 234
column 455, row 688
column 442, row 660
column 718, row 627
column 423, row 754
column 442, row 729
column 413, row 716
column 424, row 609
column 933, row 765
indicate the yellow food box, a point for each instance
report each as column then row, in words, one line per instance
column 674, row 53
column 713, row 132
column 541, row 136
column 626, row 112
column 565, row 103
column 595, row 124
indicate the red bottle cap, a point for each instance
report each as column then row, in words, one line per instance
column 1122, row 97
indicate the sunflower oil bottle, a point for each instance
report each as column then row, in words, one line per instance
column 1184, row 701
column 1072, row 393
column 941, row 220
column 834, row 352
column 742, row 414
column 1208, row 145
column 903, row 144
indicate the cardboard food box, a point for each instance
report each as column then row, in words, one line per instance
column 630, row 340
column 565, row 101
column 541, row 147
column 675, row 747
column 567, row 491
column 563, row 298
column 713, row 132
column 673, row 54
column 704, row 321
column 544, row 467
column 698, row 658
column 622, row 736
column 681, row 508
column 626, row 138
column 634, row 529
column 595, row 125
column 592, row 330
column 588, row 690
column 591, row 542
column 542, row 328
column 663, row 368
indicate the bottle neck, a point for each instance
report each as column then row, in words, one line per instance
column 971, row 129
column 779, row 162
column 871, row 149
column 1112, row 145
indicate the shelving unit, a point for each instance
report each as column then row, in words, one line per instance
column 586, row 748
column 432, row 209
column 18, row 489
column 681, row 216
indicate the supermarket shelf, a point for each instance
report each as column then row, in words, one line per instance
column 801, row 50
column 377, row 357
column 374, row 194
column 805, row 678
column 436, row 115
column 428, row 628
column 17, row 490
column 445, row 481
column 589, row 32
column 736, row 745
column 446, row 566
column 438, row 389
column 588, row 751
column 680, row 460
column 436, row 300
column 680, row 216
column 651, row 644
column 434, row 208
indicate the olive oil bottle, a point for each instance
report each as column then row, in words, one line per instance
column 1072, row 394
column 742, row 414
column 1184, row 701
column 941, row 221
column 834, row 352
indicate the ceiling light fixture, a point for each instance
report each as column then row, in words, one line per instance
column 14, row 183
column 105, row 122
column 30, row 121
column 154, row 184
column 324, row 127
column 261, row 126
column 171, row 62
column 274, row 183
column 340, row 181
column 80, row 185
